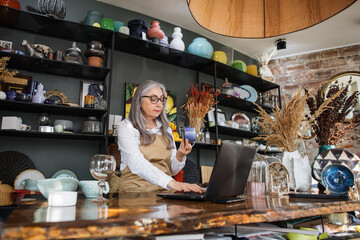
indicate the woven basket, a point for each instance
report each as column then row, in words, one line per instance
column 5, row 194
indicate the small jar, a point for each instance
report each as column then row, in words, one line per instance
column 91, row 126
column 73, row 55
column 89, row 101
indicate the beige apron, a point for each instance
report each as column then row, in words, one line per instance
column 159, row 156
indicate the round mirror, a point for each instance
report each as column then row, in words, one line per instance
column 343, row 79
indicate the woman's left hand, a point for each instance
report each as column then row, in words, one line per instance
column 184, row 149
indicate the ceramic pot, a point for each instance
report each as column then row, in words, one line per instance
column 219, row 56
column 93, row 17
column 239, row 65
column 137, row 27
column 54, row 8
column 95, row 61
column 177, row 42
column 10, row 3
column 117, row 25
column 95, row 48
column 107, row 23
column 201, row 47
column 155, row 31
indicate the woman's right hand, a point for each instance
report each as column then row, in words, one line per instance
column 186, row 187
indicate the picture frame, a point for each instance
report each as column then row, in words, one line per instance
column 17, row 83
column 84, row 90
column 5, row 44
column 171, row 110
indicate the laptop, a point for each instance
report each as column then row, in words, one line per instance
column 228, row 178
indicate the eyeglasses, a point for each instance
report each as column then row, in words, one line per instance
column 155, row 99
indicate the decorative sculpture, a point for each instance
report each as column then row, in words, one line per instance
column 33, row 52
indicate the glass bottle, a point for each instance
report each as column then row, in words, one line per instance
column 258, row 177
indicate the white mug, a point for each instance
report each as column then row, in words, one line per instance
column 58, row 128
column 25, row 127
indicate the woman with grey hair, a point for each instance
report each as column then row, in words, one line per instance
column 148, row 154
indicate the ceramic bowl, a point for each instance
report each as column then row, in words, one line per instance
column 22, row 97
column 62, row 198
column 337, row 178
column 68, row 125
column 57, row 184
column 90, row 188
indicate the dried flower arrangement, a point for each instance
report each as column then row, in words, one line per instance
column 4, row 73
column 329, row 125
column 282, row 126
column 198, row 104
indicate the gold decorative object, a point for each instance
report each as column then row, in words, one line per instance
column 262, row 19
column 4, row 73
column 56, row 94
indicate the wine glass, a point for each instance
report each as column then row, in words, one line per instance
column 101, row 168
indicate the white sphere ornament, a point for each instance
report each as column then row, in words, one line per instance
column 2, row 95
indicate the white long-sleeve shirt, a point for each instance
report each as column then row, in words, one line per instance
column 129, row 146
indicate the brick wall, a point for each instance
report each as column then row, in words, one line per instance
column 309, row 70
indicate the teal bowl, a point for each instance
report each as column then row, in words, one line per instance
column 56, row 184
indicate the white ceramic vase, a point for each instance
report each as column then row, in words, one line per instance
column 299, row 170
column 266, row 74
column 177, row 42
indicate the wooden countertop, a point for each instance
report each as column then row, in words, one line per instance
column 145, row 214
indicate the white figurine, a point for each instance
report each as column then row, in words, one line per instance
column 39, row 94
column 177, row 42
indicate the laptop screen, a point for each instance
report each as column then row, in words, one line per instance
column 231, row 171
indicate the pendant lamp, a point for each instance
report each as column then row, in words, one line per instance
column 262, row 18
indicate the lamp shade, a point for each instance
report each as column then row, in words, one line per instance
column 262, row 18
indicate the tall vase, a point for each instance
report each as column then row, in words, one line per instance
column 299, row 170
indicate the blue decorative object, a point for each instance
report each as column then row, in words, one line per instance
column 337, row 178
column 138, row 28
column 201, row 47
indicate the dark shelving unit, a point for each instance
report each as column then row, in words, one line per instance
column 234, row 132
column 233, row 102
column 52, row 27
column 60, row 68
column 53, row 109
column 238, row 77
column 35, row 134
column 139, row 47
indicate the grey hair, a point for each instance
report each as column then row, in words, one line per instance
column 137, row 118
